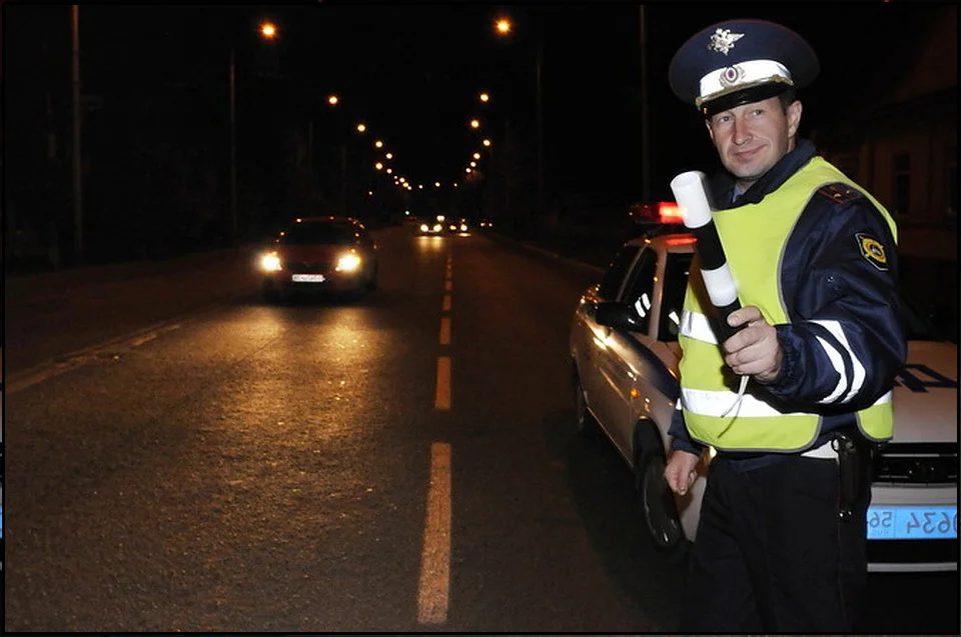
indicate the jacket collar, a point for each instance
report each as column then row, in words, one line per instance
column 722, row 185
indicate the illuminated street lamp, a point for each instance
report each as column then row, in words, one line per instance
column 379, row 166
column 268, row 30
column 486, row 142
column 361, row 128
column 389, row 155
column 503, row 27
column 332, row 100
column 378, row 144
column 476, row 155
column 485, row 97
column 475, row 123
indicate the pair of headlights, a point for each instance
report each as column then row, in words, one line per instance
column 346, row 262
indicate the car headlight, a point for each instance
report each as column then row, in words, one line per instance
column 349, row 262
column 453, row 227
column 424, row 227
column 438, row 227
column 270, row 262
column 463, row 227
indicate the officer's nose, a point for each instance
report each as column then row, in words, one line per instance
column 742, row 132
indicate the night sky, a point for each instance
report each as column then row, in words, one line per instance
column 413, row 72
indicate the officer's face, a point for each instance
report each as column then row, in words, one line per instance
column 751, row 138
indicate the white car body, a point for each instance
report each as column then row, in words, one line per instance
column 625, row 373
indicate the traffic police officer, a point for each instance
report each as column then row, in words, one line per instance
column 781, row 540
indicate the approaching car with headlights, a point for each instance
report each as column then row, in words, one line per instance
column 435, row 226
column 624, row 354
column 458, row 226
column 319, row 254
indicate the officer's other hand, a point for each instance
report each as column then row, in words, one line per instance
column 754, row 350
column 679, row 472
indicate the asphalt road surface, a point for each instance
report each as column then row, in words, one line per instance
column 181, row 456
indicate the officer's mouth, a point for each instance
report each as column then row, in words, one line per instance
column 744, row 156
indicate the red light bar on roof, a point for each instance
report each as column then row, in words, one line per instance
column 670, row 212
column 662, row 212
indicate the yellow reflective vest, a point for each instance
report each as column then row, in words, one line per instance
column 755, row 237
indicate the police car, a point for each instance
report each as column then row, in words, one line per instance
column 624, row 356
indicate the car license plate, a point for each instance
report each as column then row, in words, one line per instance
column 308, row 278
column 912, row 523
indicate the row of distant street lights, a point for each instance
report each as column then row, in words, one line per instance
column 401, row 181
column 270, row 32
column 381, row 164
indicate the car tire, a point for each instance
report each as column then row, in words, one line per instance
column 584, row 422
column 658, row 506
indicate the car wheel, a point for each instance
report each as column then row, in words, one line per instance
column 658, row 506
column 584, row 422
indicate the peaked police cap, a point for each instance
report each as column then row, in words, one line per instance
column 739, row 62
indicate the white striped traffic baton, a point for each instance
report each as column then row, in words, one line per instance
column 691, row 196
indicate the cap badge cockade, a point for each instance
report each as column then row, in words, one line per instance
column 730, row 76
column 723, row 40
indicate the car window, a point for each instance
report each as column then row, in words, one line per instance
column 309, row 233
column 676, row 272
column 639, row 292
column 614, row 276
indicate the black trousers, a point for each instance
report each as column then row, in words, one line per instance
column 771, row 554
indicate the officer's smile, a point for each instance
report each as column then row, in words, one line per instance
column 745, row 156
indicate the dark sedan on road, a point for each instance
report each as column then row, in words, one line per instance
column 334, row 254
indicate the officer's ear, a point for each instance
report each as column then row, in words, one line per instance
column 793, row 118
column 710, row 131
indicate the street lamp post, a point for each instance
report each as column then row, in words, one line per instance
column 233, row 150
column 503, row 26
column 343, row 179
column 645, row 154
column 268, row 31
column 76, row 156
column 540, row 133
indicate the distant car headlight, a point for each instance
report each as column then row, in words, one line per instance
column 424, row 227
column 349, row 262
column 463, row 227
column 453, row 227
column 270, row 262
column 438, row 227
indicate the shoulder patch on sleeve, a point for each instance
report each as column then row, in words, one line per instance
column 839, row 192
column 872, row 250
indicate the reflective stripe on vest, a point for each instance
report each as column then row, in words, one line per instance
column 759, row 423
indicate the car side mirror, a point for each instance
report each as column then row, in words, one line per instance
column 618, row 315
